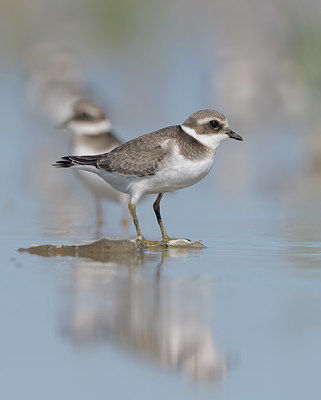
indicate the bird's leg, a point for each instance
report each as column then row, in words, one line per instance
column 159, row 218
column 167, row 240
column 132, row 210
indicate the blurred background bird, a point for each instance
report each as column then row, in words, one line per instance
column 57, row 91
column 92, row 134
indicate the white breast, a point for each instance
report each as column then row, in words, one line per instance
column 175, row 172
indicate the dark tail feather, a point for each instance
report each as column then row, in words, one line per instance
column 70, row 161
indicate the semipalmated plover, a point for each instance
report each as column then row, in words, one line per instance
column 92, row 135
column 169, row 159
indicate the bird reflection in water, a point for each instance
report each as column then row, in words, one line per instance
column 158, row 318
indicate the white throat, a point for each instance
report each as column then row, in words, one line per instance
column 89, row 128
column 212, row 141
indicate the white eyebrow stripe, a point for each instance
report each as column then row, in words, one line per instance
column 205, row 120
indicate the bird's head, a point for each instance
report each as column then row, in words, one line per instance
column 210, row 127
column 87, row 118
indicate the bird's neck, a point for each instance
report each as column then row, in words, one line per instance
column 210, row 141
column 90, row 128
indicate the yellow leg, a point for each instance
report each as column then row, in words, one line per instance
column 132, row 210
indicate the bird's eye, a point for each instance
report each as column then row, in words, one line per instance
column 214, row 124
column 83, row 115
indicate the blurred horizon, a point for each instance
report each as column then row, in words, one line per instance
column 256, row 62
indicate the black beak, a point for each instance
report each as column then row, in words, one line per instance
column 234, row 135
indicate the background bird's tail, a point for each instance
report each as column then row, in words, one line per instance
column 70, row 161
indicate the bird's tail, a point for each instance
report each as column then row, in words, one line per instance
column 71, row 161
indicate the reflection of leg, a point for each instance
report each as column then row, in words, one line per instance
column 156, row 207
column 132, row 210
column 99, row 213
column 161, row 263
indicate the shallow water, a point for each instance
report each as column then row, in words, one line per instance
column 239, row 319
